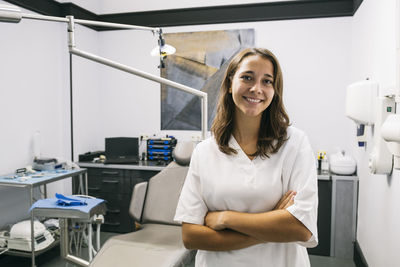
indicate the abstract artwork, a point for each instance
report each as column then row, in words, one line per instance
column 200, row 62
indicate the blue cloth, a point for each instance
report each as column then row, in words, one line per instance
column 51, row 203
column 66, row 201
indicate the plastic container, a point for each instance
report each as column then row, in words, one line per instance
column 342, row 164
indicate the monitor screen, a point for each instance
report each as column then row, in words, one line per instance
column 122, row 146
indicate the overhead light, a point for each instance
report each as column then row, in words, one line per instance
column 164, row 51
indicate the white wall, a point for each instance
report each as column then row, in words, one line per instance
column 33, row 88
column 34, row 96
column 87, row 107
column 373, row 56
column 131, row 104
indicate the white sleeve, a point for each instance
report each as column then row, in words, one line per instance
column 303, row 179
column 191, row 207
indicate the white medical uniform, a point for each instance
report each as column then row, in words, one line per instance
column 218, row 182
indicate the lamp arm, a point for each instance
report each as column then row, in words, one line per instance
column 151, row 77
column 13, row 14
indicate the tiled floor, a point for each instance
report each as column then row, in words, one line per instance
column 52, row 259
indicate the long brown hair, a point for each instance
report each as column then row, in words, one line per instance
column 274, row 120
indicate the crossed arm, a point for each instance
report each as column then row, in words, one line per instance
column 230, row 230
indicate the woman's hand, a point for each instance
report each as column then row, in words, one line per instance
column 286, row 201
column 215, row 220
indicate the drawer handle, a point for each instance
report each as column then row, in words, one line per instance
column 94, row 189
column 112, row 224
column 110, row 173
column 113, row 211
column 110, row 182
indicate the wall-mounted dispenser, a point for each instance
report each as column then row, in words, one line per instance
column 391, row 134
column 367, row 108
column 381, row 159
column 360, row 106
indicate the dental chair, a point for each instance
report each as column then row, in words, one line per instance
column 158, row 242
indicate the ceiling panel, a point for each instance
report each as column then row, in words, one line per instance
column 127, row 6
column 179, row 15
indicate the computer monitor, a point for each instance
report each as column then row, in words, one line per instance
column 122, row 147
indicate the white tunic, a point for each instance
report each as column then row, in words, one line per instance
column 218, row 182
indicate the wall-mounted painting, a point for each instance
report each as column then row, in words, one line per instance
column 200, row 62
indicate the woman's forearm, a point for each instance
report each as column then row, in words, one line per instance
column 204, row 238
column 272, row 226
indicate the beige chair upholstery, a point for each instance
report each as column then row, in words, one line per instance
column 159, row 241
column 162, row 195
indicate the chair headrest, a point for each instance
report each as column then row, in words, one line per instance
column 183, row 152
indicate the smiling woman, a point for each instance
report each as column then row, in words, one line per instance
column 250, row 196
column 252, row 75
column 252, row 87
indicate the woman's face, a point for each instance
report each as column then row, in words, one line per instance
column 252, row 86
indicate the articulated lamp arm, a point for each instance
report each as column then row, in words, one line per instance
column 116, row 65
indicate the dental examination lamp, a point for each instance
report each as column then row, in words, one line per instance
column 162, row 50
column 14, row 15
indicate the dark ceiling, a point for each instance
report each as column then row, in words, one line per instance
column 284, row 10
